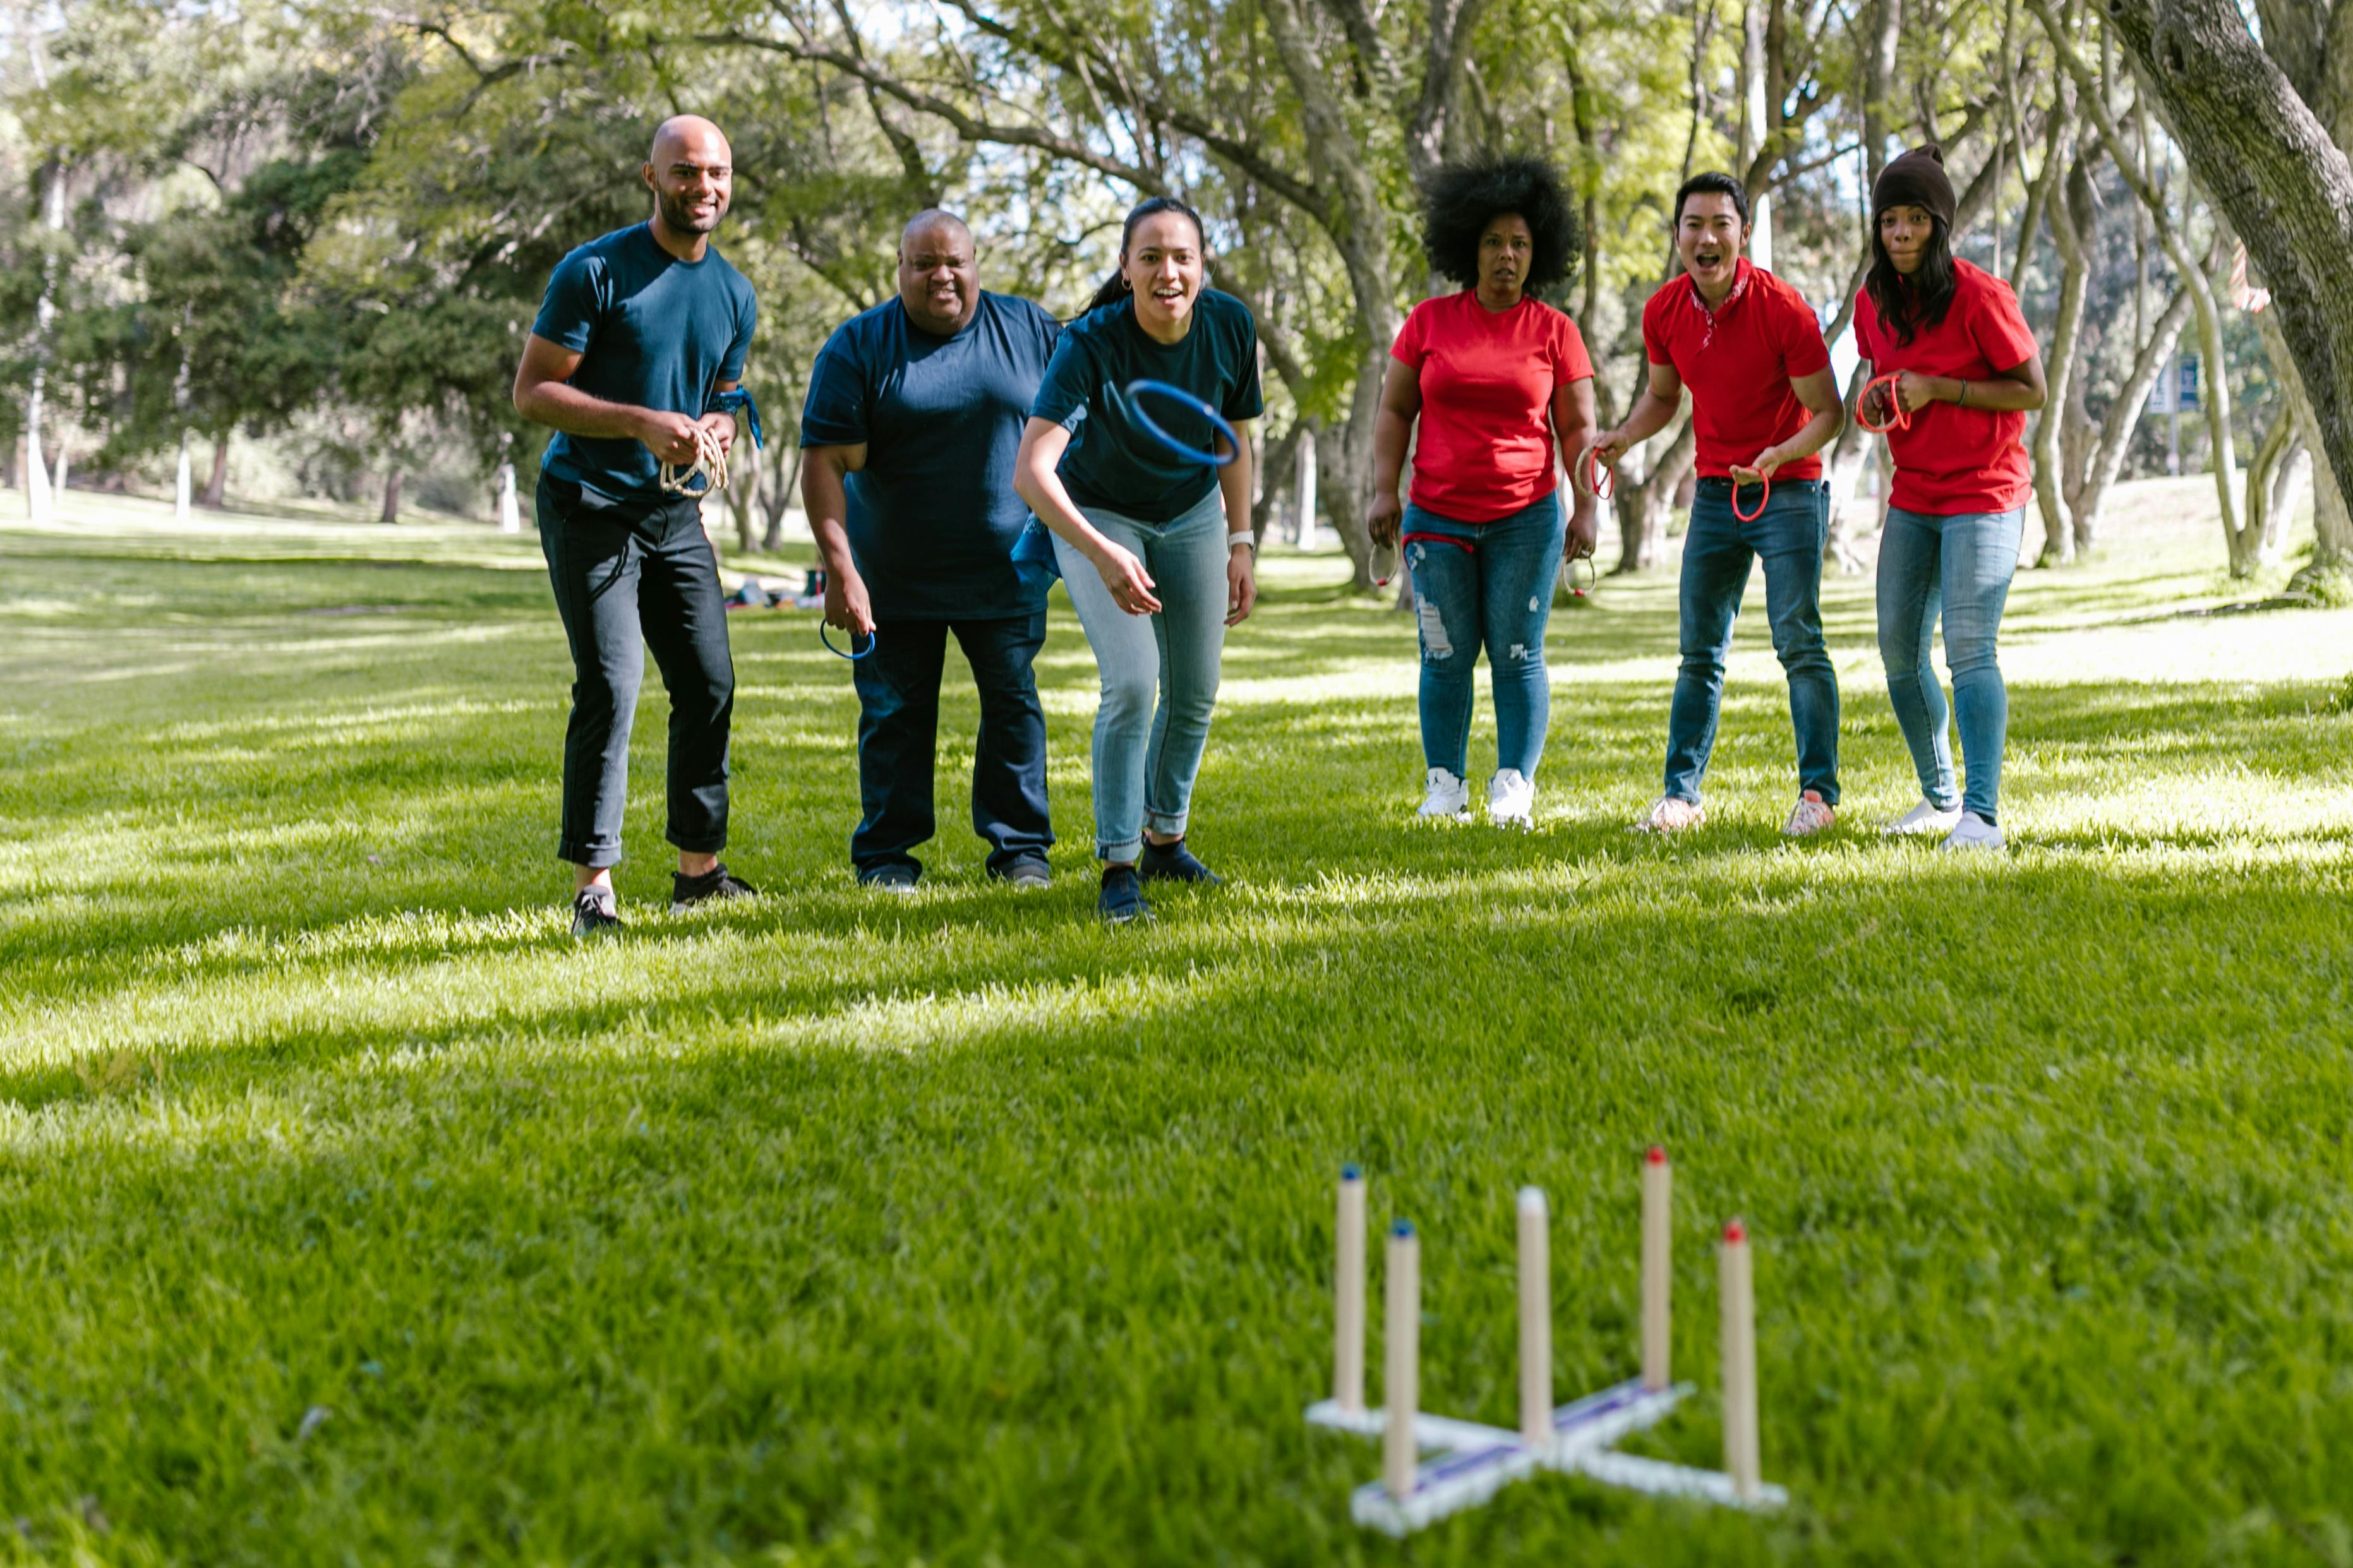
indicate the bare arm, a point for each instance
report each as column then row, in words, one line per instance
column 1392, row 428
column 545, row 396
column 1043, row 442
column 2018, row 390
column 1234, row 484
column 1661, row 395
column 825, row 497
column 1820, row 394
column 1573, row 430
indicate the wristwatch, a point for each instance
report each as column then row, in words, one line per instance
column 1243, row 536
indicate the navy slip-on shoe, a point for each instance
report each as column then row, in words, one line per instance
column 1173, row 862
column 1122, row 899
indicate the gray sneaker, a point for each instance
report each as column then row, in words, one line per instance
column 1026, row 874
column 596, row 912
column 892, row 879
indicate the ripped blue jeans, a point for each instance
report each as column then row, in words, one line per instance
column 1485, row 585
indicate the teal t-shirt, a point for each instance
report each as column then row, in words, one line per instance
column 1111, row 463
column 652, row 330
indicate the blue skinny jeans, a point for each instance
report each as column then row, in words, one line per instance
column 1159, row 671
column 1485, row 585
column 1959, row 566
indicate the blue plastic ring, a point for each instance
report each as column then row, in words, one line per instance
column 1136, row 391
column 873, row 637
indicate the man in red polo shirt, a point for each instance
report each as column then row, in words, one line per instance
column 1762, row 404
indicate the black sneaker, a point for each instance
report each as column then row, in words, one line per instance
column 719, row 882
column 1026, row 874
column 1173, row 862
column 594, row 912
column 1122, row 899
column 895, row 878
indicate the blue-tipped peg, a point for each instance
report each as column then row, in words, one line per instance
column 1403, row 1227
column 1350, row 1174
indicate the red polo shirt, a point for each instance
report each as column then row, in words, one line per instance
column 1486, row 447
column 1737, row 362
column 1952, row 460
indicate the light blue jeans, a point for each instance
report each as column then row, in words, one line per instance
column 1959, row 566
column 1159, row 672
column 1486, row 584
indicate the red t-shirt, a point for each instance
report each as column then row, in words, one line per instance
column 1737, row 362
column 1487, row 378
column 1952, row 459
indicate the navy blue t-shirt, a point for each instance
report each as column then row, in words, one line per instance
column 652, row 330
column 933, row 516
column 1111, row 462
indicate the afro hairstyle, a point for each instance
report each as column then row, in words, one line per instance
column 1461, row 199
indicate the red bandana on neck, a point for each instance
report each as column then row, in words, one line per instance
column 1740, row 275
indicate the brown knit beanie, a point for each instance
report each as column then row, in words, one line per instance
column 1918, row 179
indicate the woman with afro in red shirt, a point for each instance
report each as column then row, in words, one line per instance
column 1500, row 385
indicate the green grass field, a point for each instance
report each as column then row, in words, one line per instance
column 356, row 1214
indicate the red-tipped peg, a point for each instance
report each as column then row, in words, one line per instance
column 1734, row 1234
column 1657, row 1156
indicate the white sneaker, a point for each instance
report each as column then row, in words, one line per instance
column 1974, row 832
column 1813, row 815
column 1448, row 796
column 1671, row 814
column 1511, row 800
column 1922, row 820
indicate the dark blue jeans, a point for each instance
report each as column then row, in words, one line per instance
column 629, row 576
column 898, row 732
column 1718, row 551
column 1486, row 584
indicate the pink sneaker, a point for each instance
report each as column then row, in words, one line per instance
column 1813, row 815
column 1671, row 814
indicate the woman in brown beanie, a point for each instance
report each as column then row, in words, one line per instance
column 1954, row 373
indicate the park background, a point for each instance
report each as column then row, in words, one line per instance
column 354, row 1213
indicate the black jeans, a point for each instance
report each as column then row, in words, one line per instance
column 627, row 577
column 898, row 728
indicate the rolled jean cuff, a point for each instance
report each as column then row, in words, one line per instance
column 1126, row 854
column 596, row 858
column 1163, row 822
column 701, row 847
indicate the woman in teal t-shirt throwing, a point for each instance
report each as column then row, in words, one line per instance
column 1155, row 545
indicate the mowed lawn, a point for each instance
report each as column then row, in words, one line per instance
column 354, row 1213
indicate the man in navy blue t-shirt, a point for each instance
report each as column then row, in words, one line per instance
column 913, row 416
column 640, row 331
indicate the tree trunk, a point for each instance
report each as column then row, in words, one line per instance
column 776, row 498
column 2124, row 418
column 216, row 482
column 743, row 481
column 2066, row 337
column 1278, row 476
column 1358, row 227
column 2273, row 167
column 1643, row 505
column 2332, row 521
column 391, row 513
column 2264, row 470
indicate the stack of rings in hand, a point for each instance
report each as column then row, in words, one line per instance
column 1900, row 418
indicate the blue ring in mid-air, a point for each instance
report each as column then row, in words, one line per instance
column 1137, row 391
column 873, row 637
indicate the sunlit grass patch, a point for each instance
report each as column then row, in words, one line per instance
column 355, row 1213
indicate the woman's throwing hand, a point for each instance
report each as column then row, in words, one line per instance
column 1130, row 583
